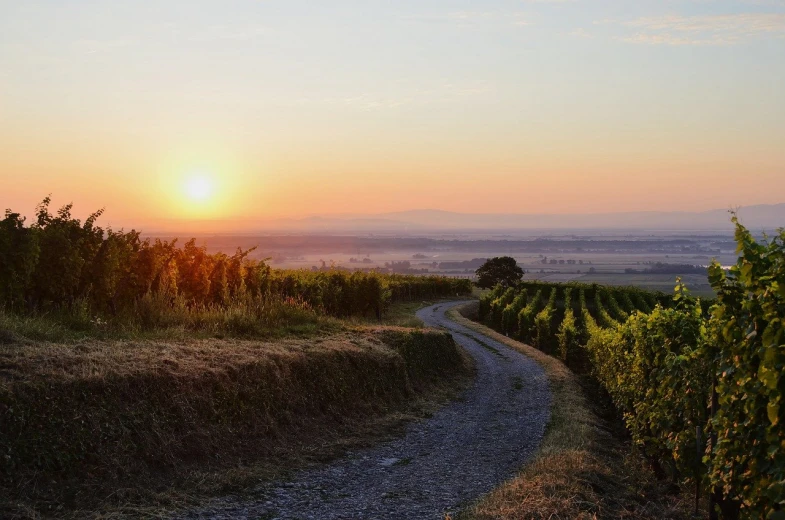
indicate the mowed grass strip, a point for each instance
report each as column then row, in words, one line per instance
column 96, row 428
column 584, row 469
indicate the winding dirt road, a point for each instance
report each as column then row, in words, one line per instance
column 440, row 465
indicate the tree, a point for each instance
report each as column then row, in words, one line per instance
column 502, row 270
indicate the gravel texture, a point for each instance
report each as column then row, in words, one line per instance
column 441, row 463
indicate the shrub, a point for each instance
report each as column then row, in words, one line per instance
column 511, row 311
column 543, row 325
column 110, row 274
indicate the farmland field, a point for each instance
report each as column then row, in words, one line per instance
column 699, row 285
column 607, row 258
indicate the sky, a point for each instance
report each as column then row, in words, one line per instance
column 240, row 109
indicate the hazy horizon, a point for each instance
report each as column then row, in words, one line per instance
column 207, row 111
column 432, row 222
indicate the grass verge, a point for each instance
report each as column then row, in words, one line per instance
column 135, row 428
column 584, row 468
column 400, row 314
column 154, row 319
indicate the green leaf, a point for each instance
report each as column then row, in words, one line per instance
column 768, row 377
column 773, row 411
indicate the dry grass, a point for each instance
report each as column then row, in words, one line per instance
column 400, row 314
column 157, row 318
column 140, row 427
column 583, row 469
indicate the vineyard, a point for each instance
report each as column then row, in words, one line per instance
column 558, row 318
column 699, row 383
column 88, row 275
column 132, row 363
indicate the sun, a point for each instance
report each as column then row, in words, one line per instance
column 199, row 188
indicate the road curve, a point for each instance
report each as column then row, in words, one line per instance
column 441, row 463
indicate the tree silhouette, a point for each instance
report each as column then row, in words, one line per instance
column 502, row 270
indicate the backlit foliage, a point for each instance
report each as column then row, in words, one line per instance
column 662, row 360
column 59, row 263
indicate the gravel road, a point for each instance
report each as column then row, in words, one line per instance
column 441, row 463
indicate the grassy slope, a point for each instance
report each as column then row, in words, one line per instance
column 583, row 470
column 138, row 426
column 276, row 321
column 402, row 314
column 157, row 321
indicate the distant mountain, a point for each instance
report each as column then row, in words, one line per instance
column 757, row 218
column 307, row 225
column 369, row 223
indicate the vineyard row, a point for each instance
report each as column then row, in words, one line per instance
column 700, row 384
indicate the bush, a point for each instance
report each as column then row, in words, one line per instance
column 654, row 369
column 484, row 308
column 498, row 305
column 526, row 317
column 659, row 368
column 114, row 275
column 543, row 325
column 568, row 336
column 510, row 313
column 747, row 348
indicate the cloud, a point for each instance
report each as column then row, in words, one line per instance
column 777, row 3
column 725, row 29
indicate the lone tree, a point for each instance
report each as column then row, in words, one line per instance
column 502, row 270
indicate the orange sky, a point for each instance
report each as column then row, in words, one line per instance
column 539, row 108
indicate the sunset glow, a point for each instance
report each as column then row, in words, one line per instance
column 227, row 227
column 199, row 187
column 317, row 109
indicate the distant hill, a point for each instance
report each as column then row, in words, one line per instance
column 758, row 217
column 763, row 217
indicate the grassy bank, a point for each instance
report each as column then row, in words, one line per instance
column 143, row 425
column 584, row 469
column 154, row 319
